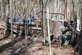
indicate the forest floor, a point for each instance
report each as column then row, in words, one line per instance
column 30, row 46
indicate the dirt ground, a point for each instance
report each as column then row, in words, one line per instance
column 22, row 46
column 31, row 46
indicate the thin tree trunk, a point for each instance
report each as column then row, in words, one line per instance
column 11, row 6
column 43, row 20
column 69, row 9
column 65, row 11
column 80, row 45
column 49, row 40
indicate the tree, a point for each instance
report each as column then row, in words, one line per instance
column 5, row 14
column 80, row 44
column 43, row 18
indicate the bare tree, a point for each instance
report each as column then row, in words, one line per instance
column 43, row 18
column 80, row 44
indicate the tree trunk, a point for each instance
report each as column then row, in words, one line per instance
column 5, row 15
column 69, row 9
column 43, row 20
column 80, row 45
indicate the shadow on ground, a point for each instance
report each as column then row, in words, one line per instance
column 10, row 44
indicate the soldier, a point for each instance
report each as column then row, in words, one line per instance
column 66, row 34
